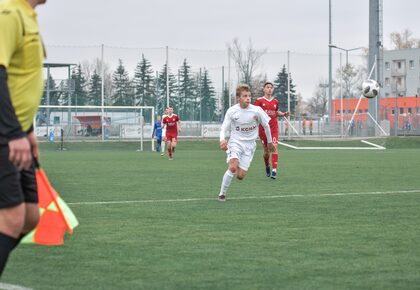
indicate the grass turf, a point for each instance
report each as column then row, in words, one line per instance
column 300, row 238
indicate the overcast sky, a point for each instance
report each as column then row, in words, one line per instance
column 295, row 25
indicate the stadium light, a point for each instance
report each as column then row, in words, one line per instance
column 347, row 63
column 346, row 50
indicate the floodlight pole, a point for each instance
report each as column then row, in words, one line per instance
column 288, row 86
column 102, row 92
column 167, row 76
column 341, row 70
column 329, row 63
column 341, row 100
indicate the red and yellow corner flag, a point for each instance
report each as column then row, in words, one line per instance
column 55, row 216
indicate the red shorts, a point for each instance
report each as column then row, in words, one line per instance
column 274, row 135
column 171, row 137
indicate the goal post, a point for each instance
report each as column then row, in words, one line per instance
column 96, row 123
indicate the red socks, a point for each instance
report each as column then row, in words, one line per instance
column 274, row 160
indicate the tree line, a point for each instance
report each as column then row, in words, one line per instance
column 191, row 94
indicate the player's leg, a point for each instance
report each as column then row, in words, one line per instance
column 266, row 152
column 163, row 144
column 233, row 153
column 30, row 191
column 11, row 225
column 12, row 209
column 227, row 178
column 158, row 144
column 274, row 161
column 245, row 160
column 241, row 173
column 173, row 143
column 168, row 145
column 274, row 155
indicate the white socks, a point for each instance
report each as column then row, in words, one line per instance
column 163, row 147
column 227, row 179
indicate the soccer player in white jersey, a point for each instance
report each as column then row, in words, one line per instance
column 242, row 121
column 162, row 152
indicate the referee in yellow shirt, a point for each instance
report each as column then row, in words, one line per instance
column 21, row 84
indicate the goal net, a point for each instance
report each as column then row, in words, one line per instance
column 96, row 123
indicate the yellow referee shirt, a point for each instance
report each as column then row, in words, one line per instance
column 21, row 53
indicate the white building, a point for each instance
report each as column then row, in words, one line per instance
column 401, row 72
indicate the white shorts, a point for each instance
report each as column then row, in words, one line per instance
column 243, row 151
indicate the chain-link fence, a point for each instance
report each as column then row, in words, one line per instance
column 200, row 86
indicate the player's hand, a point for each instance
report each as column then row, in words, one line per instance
column 271, row 147
column 223, row 145
column 34, row 144
column 20, row 153
column 286, row 114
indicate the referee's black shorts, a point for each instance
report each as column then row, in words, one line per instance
column 16, row 186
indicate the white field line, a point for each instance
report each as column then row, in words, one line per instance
column 375, row 147
column 373, row 144
column 243, row 197
column 4, row 286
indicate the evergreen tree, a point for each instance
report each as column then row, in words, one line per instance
column 79, row 95
column 144, row 84
column 95, row 90
column 50, row 95
column 122, row 91
column 206, row 94
column 225, row 101
column 186, row 92
column 280, row 91
column 161, row 91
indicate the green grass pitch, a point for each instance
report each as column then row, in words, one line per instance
column 334, row 219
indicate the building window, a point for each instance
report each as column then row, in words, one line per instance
column 387, row 82
column 56, row 120
column 401, row 110
column 386, row 95
column 349, row 111
column 366, row 110
column 387, row 65
column 393, row 112
column 399, row 64
column 409, row 110
column 411, row 63
column 360, row 111
column 338, row 112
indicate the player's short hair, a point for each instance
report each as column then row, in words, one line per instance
column 268, row 83
column 242, row 87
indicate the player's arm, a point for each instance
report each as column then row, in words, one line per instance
column 10, row 27
column 9, row 124
column 264, row 120
column 178, row 125
column 282, row 114
column 154, row 129
column 224, row 129
column 10, row 128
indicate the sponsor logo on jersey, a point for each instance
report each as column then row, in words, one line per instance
column 246, row 129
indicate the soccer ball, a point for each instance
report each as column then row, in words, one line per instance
column 370, row 88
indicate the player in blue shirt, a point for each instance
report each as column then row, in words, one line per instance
column 157, row 133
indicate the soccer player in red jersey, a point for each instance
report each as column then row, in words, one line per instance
column 271, row 106
column 172, row 124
